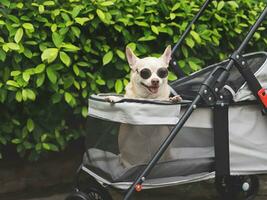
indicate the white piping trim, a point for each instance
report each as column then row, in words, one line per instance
column 150, row 185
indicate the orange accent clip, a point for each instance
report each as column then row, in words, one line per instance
column 138, row 188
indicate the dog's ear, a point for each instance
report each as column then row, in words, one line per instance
column 166, row 56
column 131, row 57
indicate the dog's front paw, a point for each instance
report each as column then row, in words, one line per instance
column 176, row 98
column 112, row 99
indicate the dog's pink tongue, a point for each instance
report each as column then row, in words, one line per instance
column 153, row 89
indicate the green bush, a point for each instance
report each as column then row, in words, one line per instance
column 55, row 53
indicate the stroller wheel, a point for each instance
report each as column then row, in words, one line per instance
column 97, row 194
column 249, row 186
column 77, row 195
column 237, row 187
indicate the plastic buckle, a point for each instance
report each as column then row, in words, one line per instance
column 262, row 93
column 138, row 188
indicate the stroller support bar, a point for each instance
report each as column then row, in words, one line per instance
column 242, row 65
column 253, row 83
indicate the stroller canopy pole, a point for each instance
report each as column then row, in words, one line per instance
column 217, row 78
column 173, row 63
column 253, row 30
column 178, row 44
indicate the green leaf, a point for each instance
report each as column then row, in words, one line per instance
column 101, row 15
column 193, row 65
column 13, row 46
column 49, row 3
column 38, row 146
column 3, row 140
column 44, row 137
column 56, row 98
column 50, row 147
column 39, row 68
column 16, row 141
column 118, row 86
column 18, row 35
column 30, row 94
column 40, row 80
column 24, row 95
column 28, row 145
column 144, row 24
column 220, row 5
column 120, row 54
column 172, row 16
column 68, row 97
column 185, row 51
column 53, row 27
column 49, row 54
column 100, row 81
column 27, row 53
column 84, row 111
column 65, row 58
column 155, row 29
column 171, row 76
column 176, row 6
column 12, row 83
column 106, row 3
column 81, row 20
column 76, row 10
column 147, row 38
column 70, row 47
column 2, row 55
column 6, row 2
column 26, row 76
column 107, row 57
column 19, row 5
column 190, row 42
column 30, row 125
column 76, row 70
column 233, row 4
column 15, row 73
column 57, row 39
column 28, row 26
column 132, row 46
column 76, row 31
column 41, row 9
column 51, row 74
column 19, row 96
column 196, row 36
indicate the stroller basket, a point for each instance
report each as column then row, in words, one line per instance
column 124, row 136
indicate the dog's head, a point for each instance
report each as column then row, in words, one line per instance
column 149, row 75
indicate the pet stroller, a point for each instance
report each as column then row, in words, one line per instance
column 134, row 144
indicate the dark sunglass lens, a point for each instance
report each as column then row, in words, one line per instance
column 145, row 73
column 162, row 72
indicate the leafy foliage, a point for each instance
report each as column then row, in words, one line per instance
column 55, row 53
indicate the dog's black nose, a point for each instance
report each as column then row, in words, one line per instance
column 155, row 81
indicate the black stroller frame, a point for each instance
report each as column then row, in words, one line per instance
column 210, row 94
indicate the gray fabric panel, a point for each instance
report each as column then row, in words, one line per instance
column 111, row 164
column 106, row 161
column 247, row 139
column 194, row 137
column 182, row 167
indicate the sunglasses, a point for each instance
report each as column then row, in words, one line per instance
column 146, row 73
